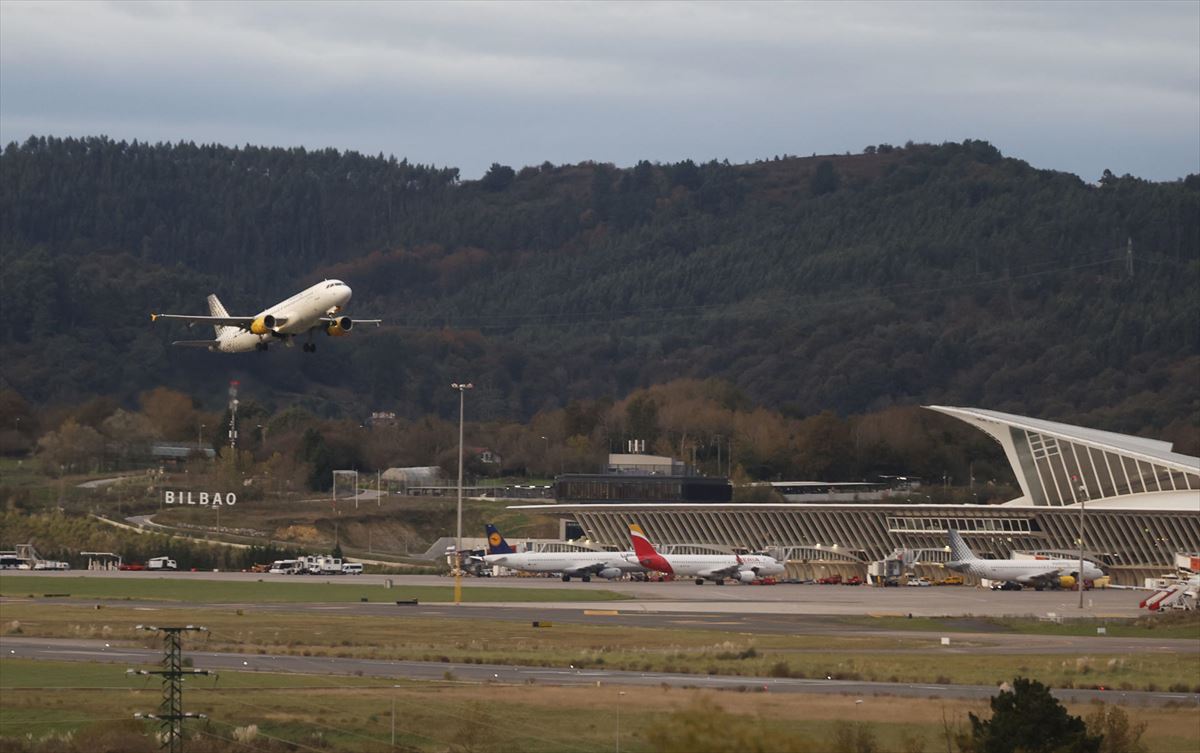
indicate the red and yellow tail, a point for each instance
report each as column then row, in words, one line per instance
column 645, row 552
column 641, row 545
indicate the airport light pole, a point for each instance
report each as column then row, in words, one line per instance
column 1081, row 506
column 462, row 390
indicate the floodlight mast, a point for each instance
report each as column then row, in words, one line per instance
column 462, row 389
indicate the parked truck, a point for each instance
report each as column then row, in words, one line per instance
column 160, row 563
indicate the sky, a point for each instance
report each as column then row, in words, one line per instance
column 1078, row 87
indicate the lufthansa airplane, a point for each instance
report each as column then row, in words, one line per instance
column 309, row 311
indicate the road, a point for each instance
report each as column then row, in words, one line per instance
column 99, row 651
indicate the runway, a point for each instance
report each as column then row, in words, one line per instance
column 965, row 635
column 685, row 596
column 99, row 651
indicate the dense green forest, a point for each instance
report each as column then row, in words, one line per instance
column 903, row 275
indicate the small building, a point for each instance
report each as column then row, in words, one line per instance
column 178, row 452
column 647, row 465
column 401, row 480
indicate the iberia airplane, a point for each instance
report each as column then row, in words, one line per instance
column 309, row 311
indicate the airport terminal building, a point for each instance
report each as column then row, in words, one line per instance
column 1140, row 507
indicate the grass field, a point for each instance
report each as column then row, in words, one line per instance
column 1183, row 625
column 350, row 714
column 147, row 586
column 900, row 658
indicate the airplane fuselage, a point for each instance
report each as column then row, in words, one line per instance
column 713, row 566
column 570, row 563
column 1024, row 571
column 298, row 314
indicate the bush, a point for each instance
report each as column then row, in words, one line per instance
column 779, row 669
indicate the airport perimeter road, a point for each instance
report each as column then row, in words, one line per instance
column 98, row 651
column 934, row 601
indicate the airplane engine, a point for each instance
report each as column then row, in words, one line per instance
column 747, row 576
column 1066, row 581
column 340, row 327
column 263, row 325
column 609, row 573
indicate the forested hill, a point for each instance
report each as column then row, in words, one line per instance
column 946, row 274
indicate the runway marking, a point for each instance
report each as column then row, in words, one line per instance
column 601, row 612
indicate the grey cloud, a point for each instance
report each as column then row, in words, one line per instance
column 471, row 83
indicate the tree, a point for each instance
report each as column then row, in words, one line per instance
column 74, row 447
column 825, row 179
column 641, row 416
column 498, row 177
column 171, row 412
column 1028, row 719
column 1120, row 735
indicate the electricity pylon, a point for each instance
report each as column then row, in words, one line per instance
column 170, row 714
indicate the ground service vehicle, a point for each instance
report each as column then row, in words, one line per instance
column 285, row 567
column 352, row 568
column 160, row 563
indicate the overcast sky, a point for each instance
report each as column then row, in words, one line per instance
column 1071, row 86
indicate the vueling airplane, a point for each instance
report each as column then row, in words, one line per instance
column 309, row 311
column 1039, row 573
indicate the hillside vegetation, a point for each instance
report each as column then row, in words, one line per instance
column 923, row 274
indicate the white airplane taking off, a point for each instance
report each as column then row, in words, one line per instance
column 745, row 568
column 1038, row 573
column 309, row 311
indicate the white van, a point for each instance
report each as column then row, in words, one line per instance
column 352, row 568
column 285, row 567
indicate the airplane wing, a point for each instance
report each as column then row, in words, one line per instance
column 242, row 322
column 336, row 320
column 197, row 343
column 1043, row 576
column 591, row 568
column 723, row 572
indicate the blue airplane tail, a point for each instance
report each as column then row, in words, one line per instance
column 496, row 542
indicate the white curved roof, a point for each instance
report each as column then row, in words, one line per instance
column 1153, row 450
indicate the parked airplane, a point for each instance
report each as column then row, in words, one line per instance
column 582, row 565
column 309, row 311
column 1038, row 573
column 714, row 567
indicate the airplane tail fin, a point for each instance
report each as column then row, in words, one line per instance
column 641, row 545
column 959, row 551
column 496, row 542
column 216, row 308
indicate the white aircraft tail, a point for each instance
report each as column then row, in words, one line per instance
column 959, row 551
column 216, row 308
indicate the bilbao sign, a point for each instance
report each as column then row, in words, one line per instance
column 207, row 499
